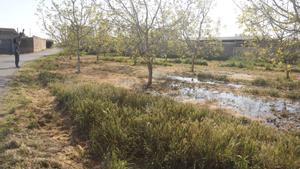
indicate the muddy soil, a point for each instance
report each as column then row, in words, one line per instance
column 278, row 112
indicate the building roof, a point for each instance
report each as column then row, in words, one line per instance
column 234, row 38
column 230, row 39
column 8, row 33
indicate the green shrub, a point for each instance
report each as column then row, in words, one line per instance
column 294, row 95
column 205, row 76
column 273, row 92
column 259, row 82
column 241, row 65
column 296, row 70
column 33, row 124
column 116, row 59
column 45, row 63
column 285, row 84
column 177, row 60
column 238, row 63
column 201, row 62
column 231, row 64
column 252, row 91
column 268, row 68
column 162, row 63
column 45, row 77
column 111, row 161
column 209, row 76
column 189, row 61
column 221, row 78
column 158, row 132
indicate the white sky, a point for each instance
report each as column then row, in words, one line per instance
column 227, row 12
column 20, row 14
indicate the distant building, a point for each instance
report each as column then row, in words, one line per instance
column 28, row 44
column 6, row 40
column 232, row 46
column 32, row 44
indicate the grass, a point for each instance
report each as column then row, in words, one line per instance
column 279, row 87
column 46, row 77
column 209, row 76
column 188, row 61
column 21, row 144
column 158, row 61
column 259, row 82
column 240, row 62
column 127, row 129
column 294, row 95
column 235, row 64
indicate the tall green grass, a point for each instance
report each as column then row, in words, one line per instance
column 209, row 76
column 133, row 130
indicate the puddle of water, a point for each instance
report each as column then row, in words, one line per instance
column 245, row 105
column 195, row 80
column 270, row 111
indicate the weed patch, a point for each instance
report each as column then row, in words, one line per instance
column 209, row 76
column 133, row 128
column 259, row 82
column 46, row 77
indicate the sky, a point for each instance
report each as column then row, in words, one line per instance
column 227, row 12
column 20, row 14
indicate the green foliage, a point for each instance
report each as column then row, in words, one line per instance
column 188, row 61
column 252, row 91
column 294, row 95
column 250, row 63
column 46, row 77
column 112, row 161
column 282, row 83
column 162, row 62
column 33, row 124
column 238, row 64
column 269, row 68
column 116, row 59
column 158, row 61
column 124, row 126
column 273, row 93
column 209, row 76
column 259, row 82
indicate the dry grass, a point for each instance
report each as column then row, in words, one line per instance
column 32, row 133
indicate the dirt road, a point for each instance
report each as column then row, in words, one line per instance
column 7, row 67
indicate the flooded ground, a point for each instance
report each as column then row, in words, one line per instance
column 282, row 113
column 195, row 80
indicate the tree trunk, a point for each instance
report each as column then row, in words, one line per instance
column 78, row 52
column 150, row 73
column 78, row 61
column 134, row 60
column 287, row 69
column 97, row 57
column 193, row 63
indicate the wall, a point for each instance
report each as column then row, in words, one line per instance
column 231, row 47
column 39, row 44
column 32, row 44
column 26, row 45
column 6, row 46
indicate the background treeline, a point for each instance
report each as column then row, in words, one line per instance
column 169, row 29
